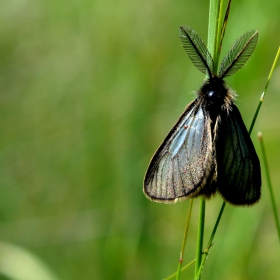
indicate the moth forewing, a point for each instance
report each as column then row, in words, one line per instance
column 154, row 185
column 180, row 167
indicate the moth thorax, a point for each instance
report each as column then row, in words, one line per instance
column 213, row 96
column 214, row 93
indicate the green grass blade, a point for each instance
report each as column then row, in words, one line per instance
column 184, row 240
column 223, row 30
column 206, row 252
column 213, row 42
column 264, row 92
column 184, row 268
column 272, row 198
column 213, row 26
column 200, row 233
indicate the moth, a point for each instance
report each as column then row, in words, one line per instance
column 209, row 149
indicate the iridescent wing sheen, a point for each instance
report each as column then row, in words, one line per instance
column 239, row 174
column 181, row 165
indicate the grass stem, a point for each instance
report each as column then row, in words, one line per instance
column 264, row 92
column 184, row 240
column 213, row 24
column 199, row 244
column 272, row 198
column 212, row 45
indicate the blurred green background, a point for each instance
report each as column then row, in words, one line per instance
column 89, row 89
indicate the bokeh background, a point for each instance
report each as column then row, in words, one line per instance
column 88, row 90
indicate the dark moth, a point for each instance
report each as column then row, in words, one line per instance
column 209, row 149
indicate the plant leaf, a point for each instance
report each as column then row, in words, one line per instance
column 240, row 52
column 196, row 50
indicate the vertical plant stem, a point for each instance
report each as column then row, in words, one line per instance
column 184, row 240
column 199, row 243
column 210, row 241
column 213, row 23
column 218, row 37
column 269, row 185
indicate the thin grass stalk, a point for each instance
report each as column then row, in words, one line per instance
column 210, row 241
column 213, row 42
column 265, row 88
column 182, row 269
column 200, row 233
column 218, row 37
column 184, row 240
column 272, row 198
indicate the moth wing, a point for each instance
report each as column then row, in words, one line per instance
column 239, row 174
column 181, row 165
